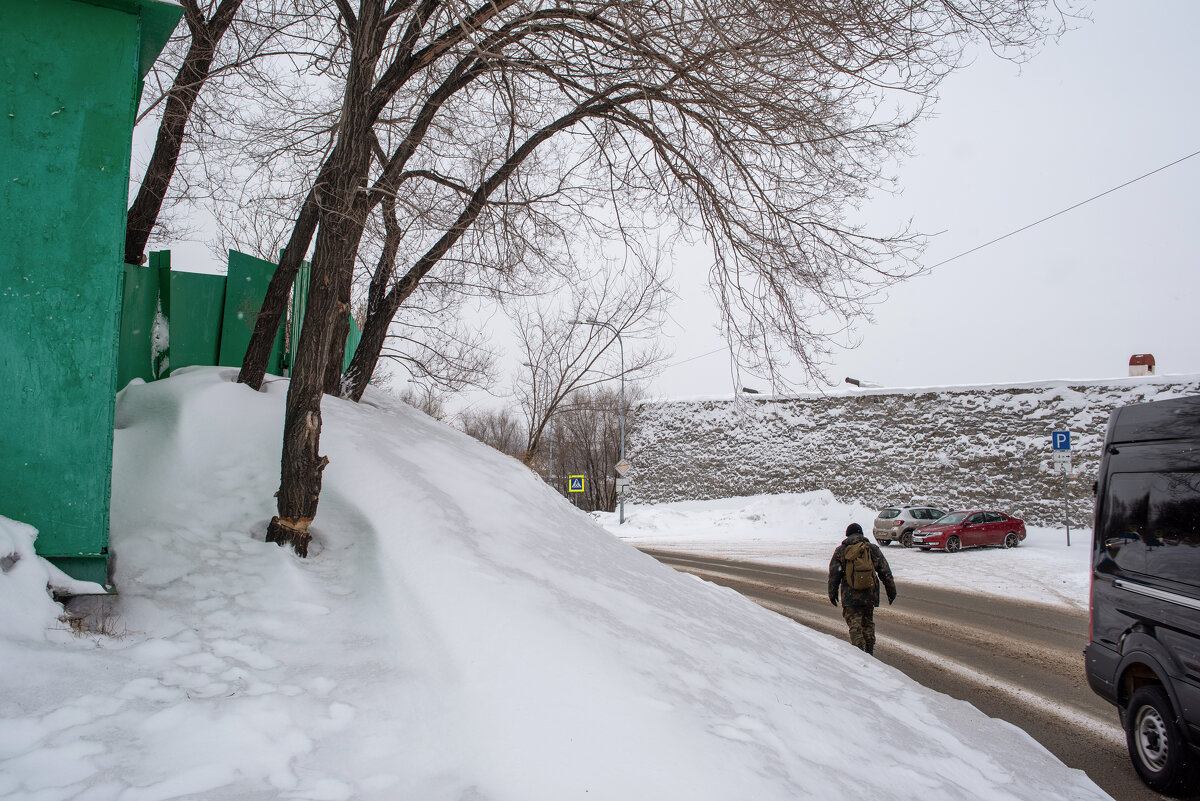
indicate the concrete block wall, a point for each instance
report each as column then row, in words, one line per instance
column 955, row 447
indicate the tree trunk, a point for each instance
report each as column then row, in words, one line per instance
column 370, row 346
column 270, row 314
column 342, row 217
column 366, row 355
column 197, row 64
column 302, row 466
column 301, row 438
column 340, row 331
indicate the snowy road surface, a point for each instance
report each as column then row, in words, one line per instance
column 1013, row 660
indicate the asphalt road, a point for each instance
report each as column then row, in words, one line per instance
column 1017, row 661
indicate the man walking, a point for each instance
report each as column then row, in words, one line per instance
column 856, row 568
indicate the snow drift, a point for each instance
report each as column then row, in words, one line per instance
column 459, row 632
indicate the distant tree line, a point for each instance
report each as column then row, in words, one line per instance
column 583, row 438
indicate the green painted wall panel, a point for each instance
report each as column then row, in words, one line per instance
column 245, row 288
column 296, row 314
column 145, row 309
column 69, row 73
column 296, row 321
column 197, row 305
column 352, row 340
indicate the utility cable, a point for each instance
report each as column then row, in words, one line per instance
column 1010, row 233
column 1064, row 211
column 701, row 356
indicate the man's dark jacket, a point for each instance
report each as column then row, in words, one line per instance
column 853, row 597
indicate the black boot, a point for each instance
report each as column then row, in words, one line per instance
column 870, row 649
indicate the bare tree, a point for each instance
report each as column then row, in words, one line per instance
column 429, row 338
column 564, row 357
column 219, row 47
column 501, row 429
column 205, row 28
column 757, row 124
column 425, row 398
column 336, row 204
column 588, row 443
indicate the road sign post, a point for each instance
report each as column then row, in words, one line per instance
column 1060, row 442
column 622, row 468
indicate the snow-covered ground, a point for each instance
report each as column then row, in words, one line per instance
column 459, row 632
column 802, row 530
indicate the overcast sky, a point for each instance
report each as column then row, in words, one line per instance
column 1011, row 144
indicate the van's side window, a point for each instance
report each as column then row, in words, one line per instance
column 1123, row 528
column 1174, row 522
column 1152, row 524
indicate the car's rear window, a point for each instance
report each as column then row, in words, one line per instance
column 888, row 514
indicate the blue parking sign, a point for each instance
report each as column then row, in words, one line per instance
column 1060, row 440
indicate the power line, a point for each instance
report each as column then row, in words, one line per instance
column 1064, row 211
column 701, row 356
column 1010, row 233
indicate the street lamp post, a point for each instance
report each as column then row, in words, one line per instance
column 533, row 384
column 621, row 345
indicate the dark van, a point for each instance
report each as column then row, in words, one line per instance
column 1144, row 649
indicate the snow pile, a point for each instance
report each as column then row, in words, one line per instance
column 801, row 530
column 459, row 632
column 25, row 577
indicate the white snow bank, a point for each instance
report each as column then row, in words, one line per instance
column 801, row 530
column 459, row 632
column 25, row 581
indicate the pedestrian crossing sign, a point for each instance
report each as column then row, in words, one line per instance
column 576, row 484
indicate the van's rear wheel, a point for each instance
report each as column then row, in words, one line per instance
column 1156, row 745
column 953, row 545
column 906, row 539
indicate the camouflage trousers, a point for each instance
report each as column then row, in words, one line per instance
column 861, row 622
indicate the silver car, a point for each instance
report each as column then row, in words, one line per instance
column 899, row 523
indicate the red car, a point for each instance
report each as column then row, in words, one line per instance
column 970, row 529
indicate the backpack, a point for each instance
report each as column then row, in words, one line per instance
column 860, row 570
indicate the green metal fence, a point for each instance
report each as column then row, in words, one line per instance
column 195, row 319
column 245, row 288
column 172, row 319
column 145, row 308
